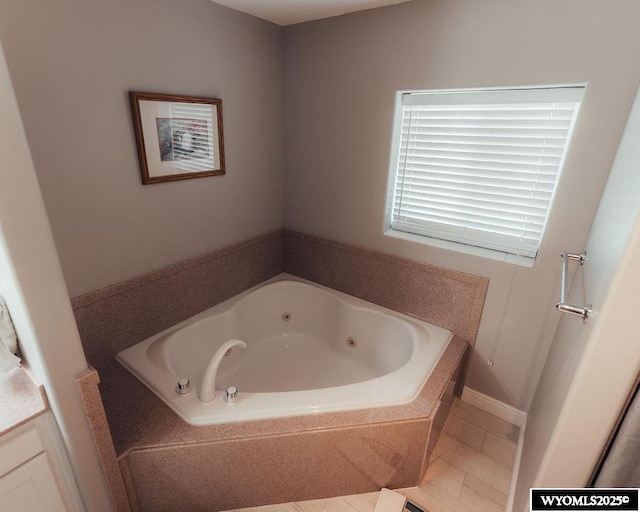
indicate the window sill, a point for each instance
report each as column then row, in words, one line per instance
column 481, row 252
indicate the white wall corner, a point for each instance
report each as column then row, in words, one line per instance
column 516, row 467
column 34, row 288
column 493, row 406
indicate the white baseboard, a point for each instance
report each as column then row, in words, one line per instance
column 493, row 406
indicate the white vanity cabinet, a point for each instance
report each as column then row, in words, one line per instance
column 28, row 469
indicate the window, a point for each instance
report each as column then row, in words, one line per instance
column 480, row 167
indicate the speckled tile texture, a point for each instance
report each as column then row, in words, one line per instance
column 440, row 415
column 305, row 457
column 114, row 318
column 258, row 471
column 87, row 384
column 440, row 296
column 129, row 485
column 21, row 399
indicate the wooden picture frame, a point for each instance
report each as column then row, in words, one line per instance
column 178, row 137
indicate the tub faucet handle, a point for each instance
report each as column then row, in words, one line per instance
column 232, row 394
column 183, row 386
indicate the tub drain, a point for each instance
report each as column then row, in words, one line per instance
column 286, row 316
column 352, row 342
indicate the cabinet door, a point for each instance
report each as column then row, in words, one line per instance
column 31, row 488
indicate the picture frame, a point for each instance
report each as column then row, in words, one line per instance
column 177, row 137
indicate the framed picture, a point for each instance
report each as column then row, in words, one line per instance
column 178, row 137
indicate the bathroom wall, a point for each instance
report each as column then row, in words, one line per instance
column 591, row 366
column 341, row 75
column 73, row 62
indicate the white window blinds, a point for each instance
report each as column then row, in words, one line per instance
column 480, row 167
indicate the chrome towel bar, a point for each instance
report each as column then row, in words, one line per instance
column 562, row 306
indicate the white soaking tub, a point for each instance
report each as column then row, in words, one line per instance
column 309, row 349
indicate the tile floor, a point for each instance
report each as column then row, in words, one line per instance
column 470, row 470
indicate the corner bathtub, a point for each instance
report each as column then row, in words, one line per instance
column 310, row 349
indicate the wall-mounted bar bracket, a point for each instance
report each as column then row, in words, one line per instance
column 562, row 306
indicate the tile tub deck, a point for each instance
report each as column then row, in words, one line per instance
column 160, row 455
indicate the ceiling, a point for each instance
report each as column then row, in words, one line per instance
column 288, row 12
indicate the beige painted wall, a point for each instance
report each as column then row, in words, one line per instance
column 341, row 76
column 73, row 62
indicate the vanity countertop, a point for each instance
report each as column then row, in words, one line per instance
column 21, row 399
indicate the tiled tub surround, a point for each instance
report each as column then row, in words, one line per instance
column 169, row 465
column 442, row 297
column 119, row 316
